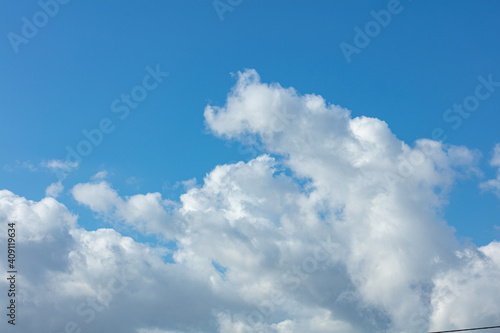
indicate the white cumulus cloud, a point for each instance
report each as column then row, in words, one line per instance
column 338, row 227
column 54, row 189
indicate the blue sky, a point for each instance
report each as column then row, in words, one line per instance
column 64, row 79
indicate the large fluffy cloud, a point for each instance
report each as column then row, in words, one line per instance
column 337, row 228
column 73, row 280
column 383, row 196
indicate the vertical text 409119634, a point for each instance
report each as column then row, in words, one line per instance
column 11, row 272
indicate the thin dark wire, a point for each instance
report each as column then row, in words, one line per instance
column 467, row 329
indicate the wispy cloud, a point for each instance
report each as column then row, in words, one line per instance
column 103, row 174
column 20, row 165
column 59, row 165
column 54, row 189
column 60, row 168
